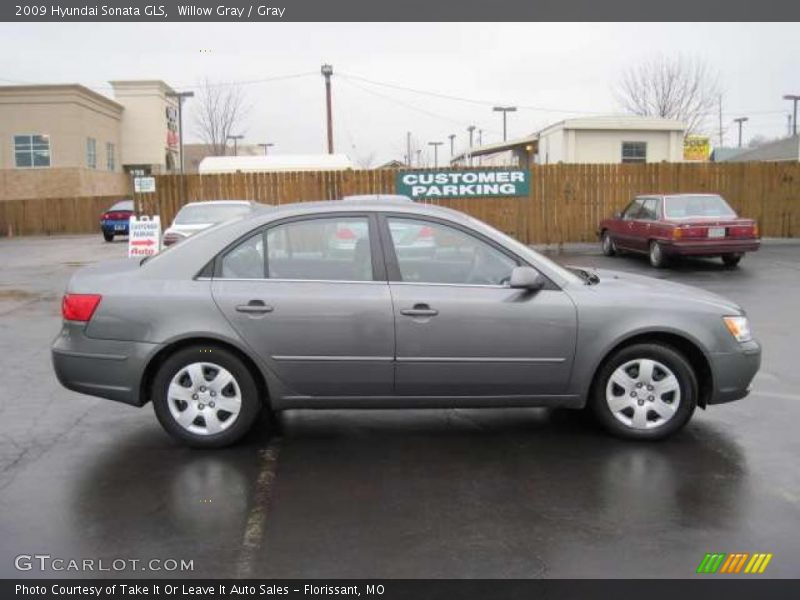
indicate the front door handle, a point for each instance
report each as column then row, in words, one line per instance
column 254, row 307
column 419, row 310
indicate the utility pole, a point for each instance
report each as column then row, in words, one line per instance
column 327, row 71
column 740, row 120
column 789, row 125
column 266, row 146
column 180, row 96
column 505, row 110
column 435, row 153
column 419, row 156
column 471, row 130
column 235, row 139
column 452, row 138
column 408, row 148
column 794, row 98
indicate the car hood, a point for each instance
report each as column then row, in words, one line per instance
column 642, row 286
column 189, row 229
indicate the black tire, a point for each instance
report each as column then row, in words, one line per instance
column 731, row 260
column 607, row 242
column 109, row 237
column 668, row 357
column 251, row 402
column 656, row 254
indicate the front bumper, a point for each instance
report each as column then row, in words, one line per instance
column 733, row 372
column 117, row 227
column 710, row 247
column 106, row 368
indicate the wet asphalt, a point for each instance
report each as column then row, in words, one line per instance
column 394, row 494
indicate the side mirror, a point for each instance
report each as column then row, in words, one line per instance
column 526, row 278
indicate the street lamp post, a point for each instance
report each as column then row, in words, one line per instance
column 452, row 138
column 266, row 146
column 235, row 139
column 505, row 110
column 794, row 98
column 435, row 153
column 471, row 129
column 327, row 71
column 180, row 96
column 739, row 121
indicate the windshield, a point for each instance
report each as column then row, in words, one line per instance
column 123, row 205
column 687, row 207
column 197, row 214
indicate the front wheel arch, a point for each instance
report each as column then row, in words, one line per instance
column 155, row 362
column 690, row 350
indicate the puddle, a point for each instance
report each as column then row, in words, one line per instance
column 16, row 295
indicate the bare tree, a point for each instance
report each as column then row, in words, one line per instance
column 674, row 88
column 221, row 112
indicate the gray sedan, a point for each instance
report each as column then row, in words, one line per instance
column 390, row 304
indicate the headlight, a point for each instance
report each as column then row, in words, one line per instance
column 739, row 328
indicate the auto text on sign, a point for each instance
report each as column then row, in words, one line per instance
column 485, row 183
column 144, row 237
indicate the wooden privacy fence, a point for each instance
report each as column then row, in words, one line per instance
column 565, row 204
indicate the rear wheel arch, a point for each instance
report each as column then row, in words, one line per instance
column 145, row 387
column 682, row 344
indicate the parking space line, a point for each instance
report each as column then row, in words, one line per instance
column 257, row 518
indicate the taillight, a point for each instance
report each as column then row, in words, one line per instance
column 345, row 233
column 425, row 232
column 677, row 233
column 755, row 229
column 105, row 216
column 79, row 307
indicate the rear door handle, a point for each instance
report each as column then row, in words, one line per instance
column 254, row 307
column 419, row 310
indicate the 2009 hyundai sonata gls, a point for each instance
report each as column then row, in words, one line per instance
column 387, row 304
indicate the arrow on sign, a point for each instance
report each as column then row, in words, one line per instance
column 143, row 243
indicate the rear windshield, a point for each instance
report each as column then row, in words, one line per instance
column 686, row 207
column 210, row 213
column 123, row 205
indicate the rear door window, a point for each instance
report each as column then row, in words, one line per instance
column 326, row 248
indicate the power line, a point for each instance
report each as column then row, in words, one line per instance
column 462, row 99
column 409, row 106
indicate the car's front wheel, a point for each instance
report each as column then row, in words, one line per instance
column 645, row 391
column 609, row 247
column 205, row 396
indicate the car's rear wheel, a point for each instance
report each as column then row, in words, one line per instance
column 205, row 396
column 731, row 260
column 645, row 391
column 109, row 237
column 657, row 257
column 609, row 247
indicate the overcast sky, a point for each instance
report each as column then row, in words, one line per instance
column 567, row 69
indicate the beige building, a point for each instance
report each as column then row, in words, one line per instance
column 589, row 140
column 67, row 140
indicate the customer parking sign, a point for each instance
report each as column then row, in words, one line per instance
column 483, row 183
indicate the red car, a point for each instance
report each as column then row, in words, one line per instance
column 662, row 226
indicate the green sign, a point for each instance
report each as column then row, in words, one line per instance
column 480, row 183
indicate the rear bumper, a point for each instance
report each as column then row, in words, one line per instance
column 106, row 368
column 734, row 372
column 710, row 247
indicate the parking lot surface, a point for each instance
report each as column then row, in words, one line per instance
column 401, row 493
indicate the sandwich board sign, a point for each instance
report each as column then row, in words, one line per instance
column 144, row 236
column 470, row 183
